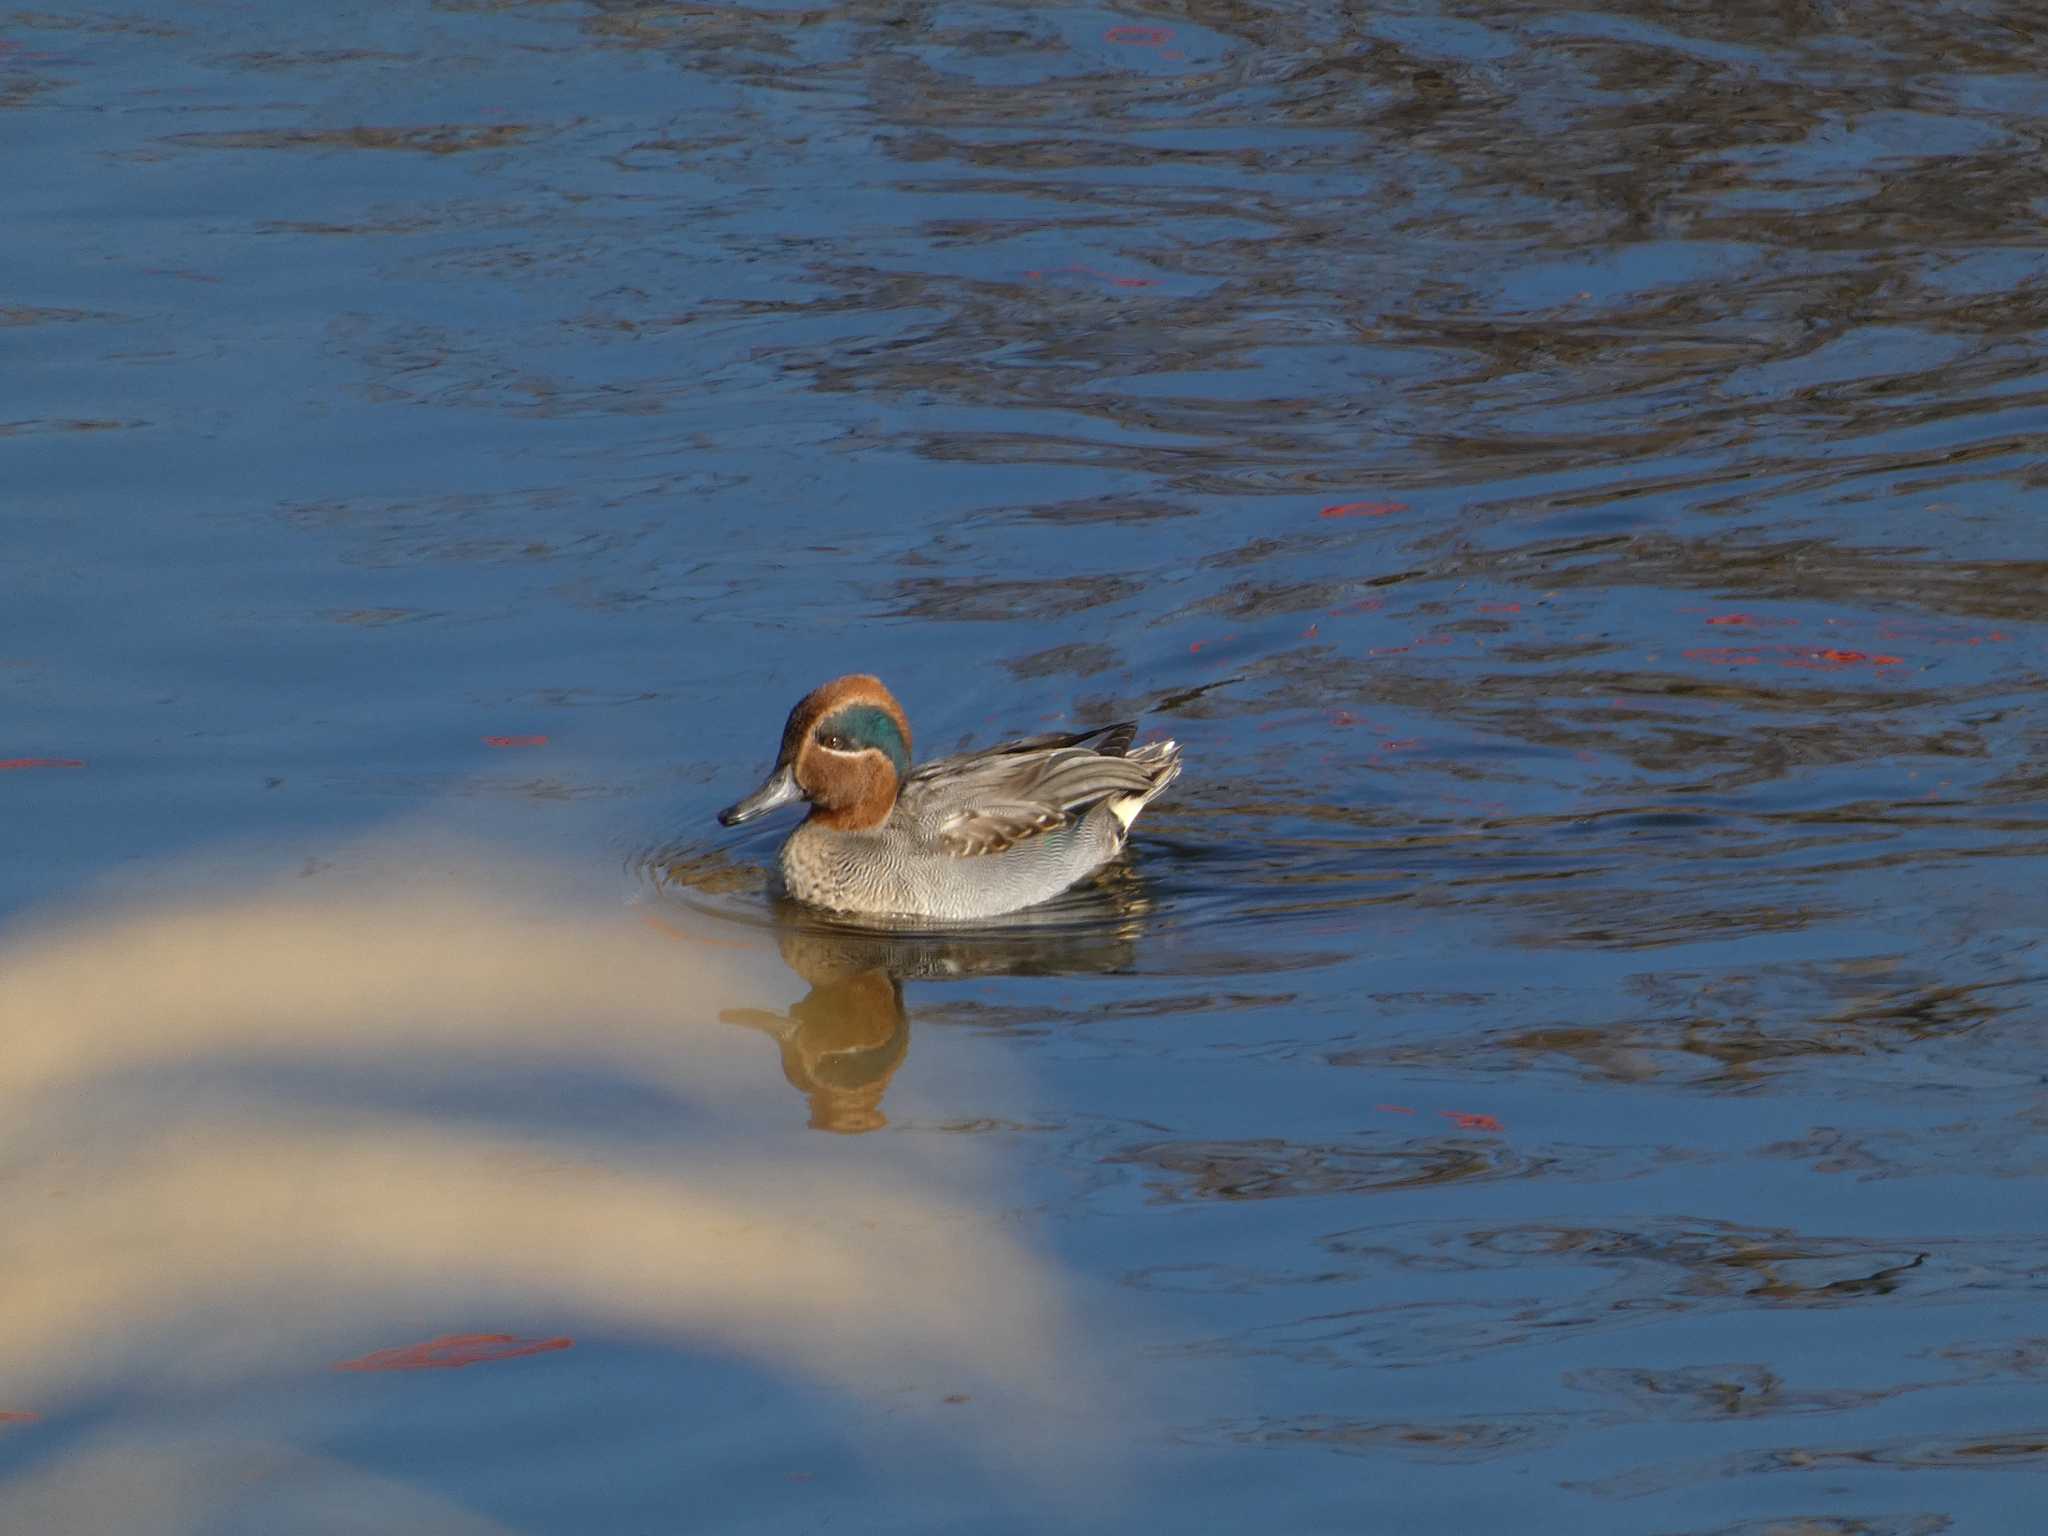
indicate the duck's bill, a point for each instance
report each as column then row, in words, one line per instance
column 779, row 790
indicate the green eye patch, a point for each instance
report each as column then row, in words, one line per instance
column 865, row 727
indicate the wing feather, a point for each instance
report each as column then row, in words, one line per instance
column 984, row 802
column 992, row 828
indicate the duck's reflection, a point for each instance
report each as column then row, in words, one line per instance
column 847, row 1037
column 840, row 1044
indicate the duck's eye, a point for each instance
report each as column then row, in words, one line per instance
column 835, row 743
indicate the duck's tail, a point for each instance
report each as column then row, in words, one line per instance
column 1161, row 762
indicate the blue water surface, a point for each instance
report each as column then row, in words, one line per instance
column 1565, row 1057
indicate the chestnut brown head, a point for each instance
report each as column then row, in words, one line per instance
column 845, row 749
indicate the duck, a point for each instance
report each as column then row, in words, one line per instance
column 959, row 838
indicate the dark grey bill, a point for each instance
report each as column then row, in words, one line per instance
column 779, row 790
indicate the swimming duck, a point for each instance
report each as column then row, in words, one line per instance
column 963, row 837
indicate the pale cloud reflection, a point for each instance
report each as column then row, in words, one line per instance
column 222, row 1173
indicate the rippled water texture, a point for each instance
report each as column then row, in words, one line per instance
column 1567, row 1056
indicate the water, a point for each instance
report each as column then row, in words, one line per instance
column 1565, row 1055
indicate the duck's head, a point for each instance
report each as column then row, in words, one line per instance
column 845, row 748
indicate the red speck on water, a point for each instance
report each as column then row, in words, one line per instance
column 1823, row 661
column 1465, row 1122
column 1194, row 646
column 515, row 741
column 1389, row 650
column 1393, row 1109
column 1730, row 618
column 10, row 764
column 17, row 1416
column 1805, row 658
column 1139, row 37
column 452, row 1351
column 1402, row 744
column 1364, row 509
column 1310, row 632
column 1500, row 607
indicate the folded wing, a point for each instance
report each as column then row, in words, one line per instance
column 984, row 802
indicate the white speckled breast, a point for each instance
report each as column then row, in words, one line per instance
column 885, row 872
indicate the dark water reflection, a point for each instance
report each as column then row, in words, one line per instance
column 1569, row 1043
